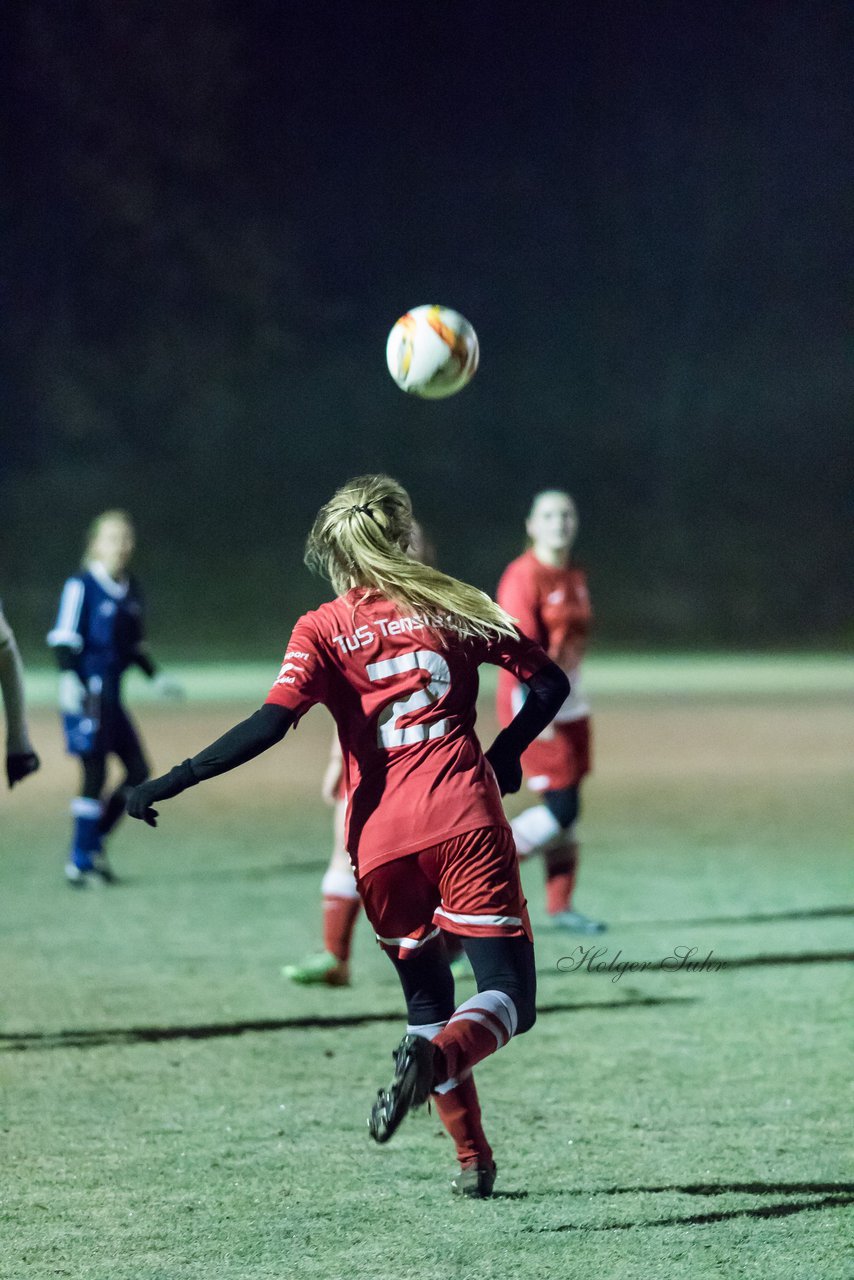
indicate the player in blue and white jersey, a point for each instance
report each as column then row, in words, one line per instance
column 99, row 634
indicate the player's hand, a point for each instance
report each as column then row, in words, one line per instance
column 332, row 780
column 141, row 798
column 139, row 802
column 20, row 764
column 169, row 687
column 73, row 691
column 506, row 766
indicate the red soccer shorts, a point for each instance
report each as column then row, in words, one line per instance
column 560, row 758
column 467, row 885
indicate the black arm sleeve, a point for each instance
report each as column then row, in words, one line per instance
column 143, row 659
column 548, row 690
column 245, row 741
column 267, row 726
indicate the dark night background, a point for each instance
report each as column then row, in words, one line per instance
column 213, row 212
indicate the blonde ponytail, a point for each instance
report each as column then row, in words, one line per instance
column 359, row 539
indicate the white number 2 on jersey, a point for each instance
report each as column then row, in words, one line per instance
column 388, row 732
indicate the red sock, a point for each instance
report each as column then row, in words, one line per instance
column 561, row 870
column 339, row 921
column 459, row 1111
column 480, row 1025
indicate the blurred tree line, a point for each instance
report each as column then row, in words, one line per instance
column 213, row 213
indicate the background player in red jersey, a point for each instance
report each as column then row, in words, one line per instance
column 395, row 659
column 547, row 594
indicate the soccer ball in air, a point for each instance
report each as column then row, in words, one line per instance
column 432, row 352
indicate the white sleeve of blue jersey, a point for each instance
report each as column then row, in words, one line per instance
column 66, row 631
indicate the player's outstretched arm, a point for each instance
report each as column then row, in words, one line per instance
column 166, row 686
column 548, row 689
column 264, row 729
column 21, row 759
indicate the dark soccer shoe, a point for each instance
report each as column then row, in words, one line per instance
column 103, row 870
column 414, row 1073
column 475, row 1183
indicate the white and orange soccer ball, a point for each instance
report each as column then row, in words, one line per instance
column 432, row 352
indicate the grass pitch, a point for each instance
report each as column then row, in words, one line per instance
column 172, row 1108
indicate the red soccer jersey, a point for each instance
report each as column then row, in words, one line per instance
column 552, row 607
column 403, row 699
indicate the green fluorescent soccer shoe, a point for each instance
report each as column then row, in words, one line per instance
column 460, row 966
column 322, row 970
column 576, row 922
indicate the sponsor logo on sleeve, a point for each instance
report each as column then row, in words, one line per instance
column 286, row 667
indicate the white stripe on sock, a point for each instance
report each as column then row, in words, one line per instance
column 453, row 1082
column 83, row 807
column 487, row 1020
column 498, row 1004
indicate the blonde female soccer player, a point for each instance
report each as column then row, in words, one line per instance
column 547, row 594
column 99, row 634
column 341, row 904
column 395, row 659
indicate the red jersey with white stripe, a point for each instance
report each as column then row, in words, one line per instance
column 403, row 697
column 551, row 606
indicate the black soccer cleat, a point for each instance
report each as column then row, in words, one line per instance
column 414, row 1073
column 103, row 870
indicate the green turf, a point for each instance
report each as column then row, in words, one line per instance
column 171, row 1112
column 614, row 674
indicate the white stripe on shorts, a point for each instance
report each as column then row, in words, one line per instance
column 408, row 944
column 460, row 919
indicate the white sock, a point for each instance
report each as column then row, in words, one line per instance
column 428, row 1030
